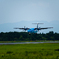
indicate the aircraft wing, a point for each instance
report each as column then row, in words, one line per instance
column 43, row 28
column 46, row 28
column 22, row 28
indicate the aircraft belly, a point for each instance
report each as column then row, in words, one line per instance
column 32, row 31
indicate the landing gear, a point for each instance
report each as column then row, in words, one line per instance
column 29, row 33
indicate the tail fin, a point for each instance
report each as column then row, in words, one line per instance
column 37, row 24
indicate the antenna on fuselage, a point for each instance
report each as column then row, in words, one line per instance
column 37, row 24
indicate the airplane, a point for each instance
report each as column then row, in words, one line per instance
column 33, row 30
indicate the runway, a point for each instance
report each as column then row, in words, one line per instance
column 28, row 42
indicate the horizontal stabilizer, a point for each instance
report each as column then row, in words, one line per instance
column 37, row 23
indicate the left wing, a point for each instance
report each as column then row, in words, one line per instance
column 46, row 28
column 42, row 28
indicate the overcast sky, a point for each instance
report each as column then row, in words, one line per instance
column 16, row 11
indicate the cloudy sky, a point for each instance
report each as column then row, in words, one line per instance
column 19, row 13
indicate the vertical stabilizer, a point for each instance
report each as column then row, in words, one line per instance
column 37, row 24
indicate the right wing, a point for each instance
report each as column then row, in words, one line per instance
column 22, row 28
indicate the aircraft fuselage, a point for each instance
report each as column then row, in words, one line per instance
column 32, row 30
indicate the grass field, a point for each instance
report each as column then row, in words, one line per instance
column 26, row 41
column 30, row 51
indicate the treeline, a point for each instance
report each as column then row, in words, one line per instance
column 24, row 36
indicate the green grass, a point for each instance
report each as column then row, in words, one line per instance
column 30, row 51
column 26, row 41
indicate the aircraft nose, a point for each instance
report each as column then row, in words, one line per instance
column 29, row 30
